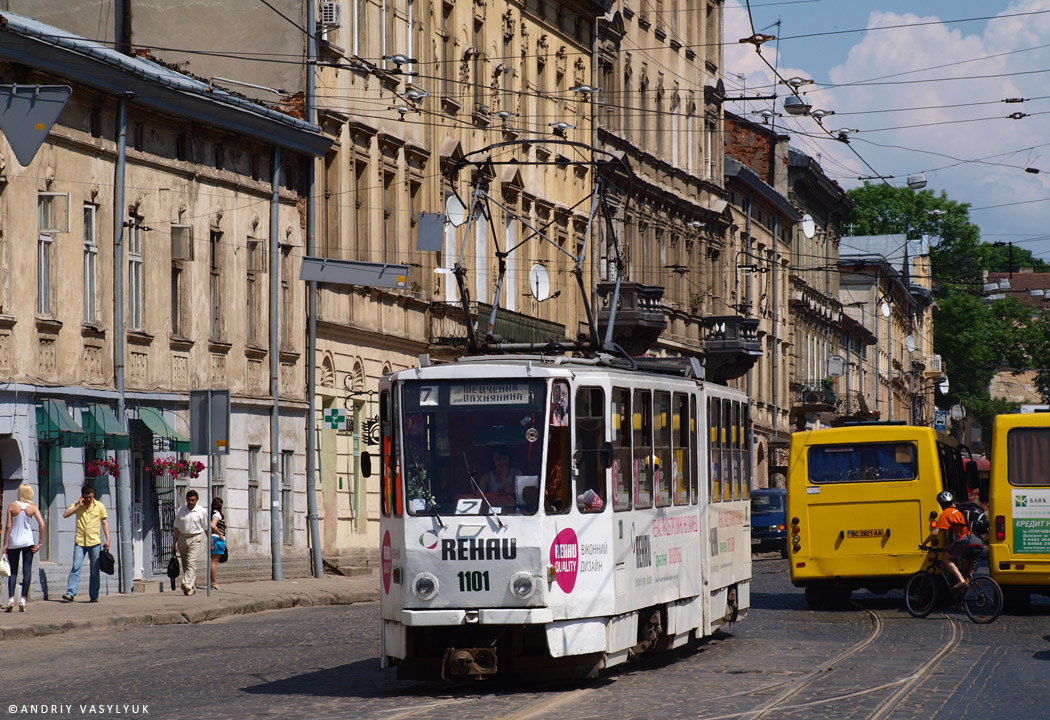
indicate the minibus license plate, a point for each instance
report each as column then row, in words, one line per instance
column 865, row 533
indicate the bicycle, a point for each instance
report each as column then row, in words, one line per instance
column 981, row 598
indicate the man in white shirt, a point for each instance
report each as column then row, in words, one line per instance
column 190, row 524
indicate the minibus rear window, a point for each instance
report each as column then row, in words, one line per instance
column 1028, row 456
column 863, row 462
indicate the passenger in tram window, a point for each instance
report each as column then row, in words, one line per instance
column 557, row 489
column 501, row 478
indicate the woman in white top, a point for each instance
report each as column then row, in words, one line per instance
column 18, row 543
column 218, row 539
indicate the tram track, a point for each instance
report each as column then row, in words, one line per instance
column 902, row 686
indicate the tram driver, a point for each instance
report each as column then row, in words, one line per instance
column 501, row 478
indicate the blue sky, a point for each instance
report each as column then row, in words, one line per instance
column 927, row 97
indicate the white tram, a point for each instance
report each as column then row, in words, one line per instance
column 554, row 514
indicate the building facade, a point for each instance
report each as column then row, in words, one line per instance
column 191, row 253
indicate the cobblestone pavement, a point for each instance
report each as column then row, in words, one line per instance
column 871, row 661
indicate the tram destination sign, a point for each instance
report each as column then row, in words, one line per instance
column 489, row 394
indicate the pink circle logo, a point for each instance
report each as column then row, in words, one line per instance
column 565, row 557
column 386, row 562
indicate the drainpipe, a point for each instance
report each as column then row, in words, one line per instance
column 311, row 301
column 776, row 323
column 275, row 411
column 125, row 551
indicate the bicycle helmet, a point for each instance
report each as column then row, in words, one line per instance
column 980, row 525
column 945, row 498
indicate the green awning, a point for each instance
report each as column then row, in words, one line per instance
column 103, row 428
column 54, row 424
column 154, row 420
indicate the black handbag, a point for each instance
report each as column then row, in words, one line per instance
column 173, row 569
column 225, row 555
column 106, row 563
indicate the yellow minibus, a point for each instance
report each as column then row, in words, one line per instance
column 860, row 499
column 1019, row 505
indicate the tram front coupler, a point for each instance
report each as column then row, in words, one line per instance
column 476, row 663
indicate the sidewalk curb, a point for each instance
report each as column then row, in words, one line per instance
column 211, row 610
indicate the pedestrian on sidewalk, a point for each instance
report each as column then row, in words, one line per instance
column 91, row 518
column 218, row 539
column 190, row 523
column 19, row 545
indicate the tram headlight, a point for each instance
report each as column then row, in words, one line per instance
column 522, row 586
column 425, row 586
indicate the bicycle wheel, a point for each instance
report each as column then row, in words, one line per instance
column 920, row 594
column 983, row 600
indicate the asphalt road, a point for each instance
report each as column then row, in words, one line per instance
column 783, row 661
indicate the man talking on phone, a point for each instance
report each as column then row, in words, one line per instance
column 91, row 518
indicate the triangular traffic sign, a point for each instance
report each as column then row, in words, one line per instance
column 27, row 113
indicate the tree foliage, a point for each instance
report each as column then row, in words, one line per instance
column 972, row 337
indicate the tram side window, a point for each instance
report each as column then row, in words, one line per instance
column 715, row 449
column 621, row 442
column 745, row 428
column 728, row 455
column 642, row 459
column 590, row 434
column 557, row 490
column 693, row 447
column 1027, row 456
column 681, row 449
column 662, row 429
column 391, row 477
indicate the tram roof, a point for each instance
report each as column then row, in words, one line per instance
column 563, row 365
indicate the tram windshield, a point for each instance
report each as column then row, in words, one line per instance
column 473, row 444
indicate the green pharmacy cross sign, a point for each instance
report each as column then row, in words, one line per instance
column 334, row 419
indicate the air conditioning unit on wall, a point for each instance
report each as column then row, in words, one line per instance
column 331, row 15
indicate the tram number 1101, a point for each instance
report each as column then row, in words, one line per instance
column 476, row 581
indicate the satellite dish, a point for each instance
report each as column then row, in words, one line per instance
column 836, row 366
column 455, row 212
column 809, row 228
column 539, row 283
column 909, row 342
column 944, row 387
column 885, row 309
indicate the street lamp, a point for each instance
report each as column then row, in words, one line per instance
column 797, row 105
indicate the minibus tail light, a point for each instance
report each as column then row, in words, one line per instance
column 1000, row 528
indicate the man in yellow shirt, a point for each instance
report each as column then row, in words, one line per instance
column 91, row 518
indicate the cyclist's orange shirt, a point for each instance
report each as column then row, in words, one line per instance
column 952, row 519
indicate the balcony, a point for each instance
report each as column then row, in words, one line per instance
column 731, row 347
column 447, row 326
column 639, row 315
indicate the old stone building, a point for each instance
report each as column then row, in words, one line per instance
column 659, row 108
column 193, row 248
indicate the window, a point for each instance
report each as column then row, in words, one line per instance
column 287, row 517
column 682, row 470
column 448, row 61
column 90, row 264
column 662, row 430
column 1027, row 455
column 389, row 217
column 218, row 478
column 286, row 297
column 176, row 300
column 52, row 217
column 714, row 422
column 590, row 436
column 390, row 475
column 361, row 209
column 643, row 449
column 557, row 491
column 254, row 501
column 621, row 443
column 215, row 283
column 256, row 266
column 135, row 273
column 863, row 462
column 43, row 274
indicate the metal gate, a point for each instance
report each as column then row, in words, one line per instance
column 164, row 525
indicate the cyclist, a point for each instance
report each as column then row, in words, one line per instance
column 954, row 522
column 967, row 549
